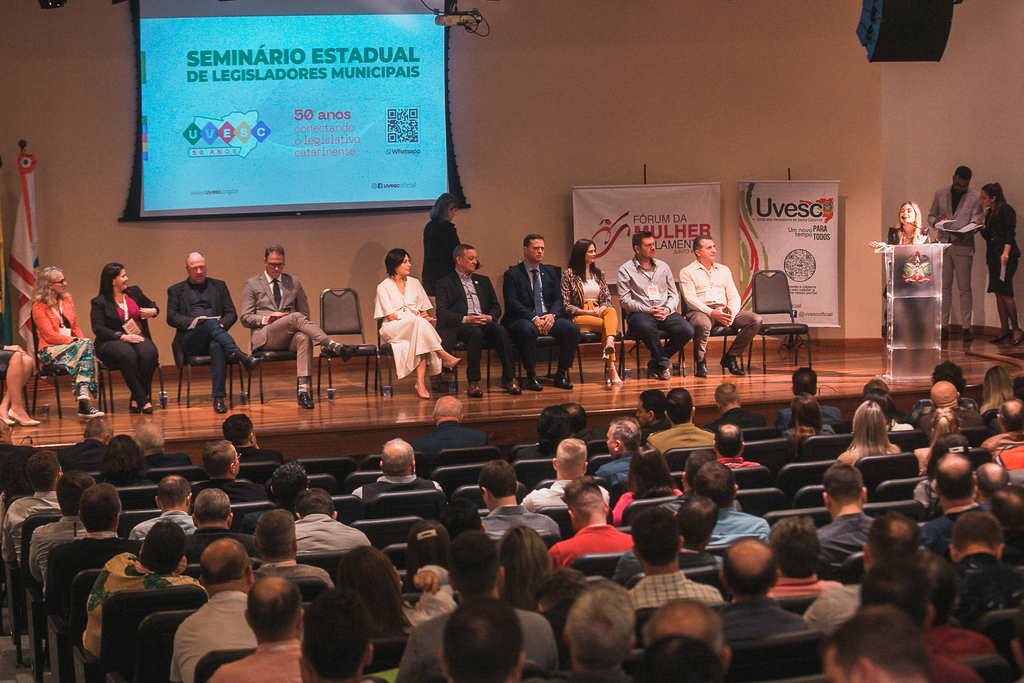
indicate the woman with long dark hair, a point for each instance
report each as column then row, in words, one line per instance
column 1002, row 255
column 439, row 241
column 648, row 477
column 805, row 420
column 587, row 301
column 119, row 323
column 122, row 462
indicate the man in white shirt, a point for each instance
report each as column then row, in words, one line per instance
column 570, row 462
column 43, row 471
column 70, row 488
column 712, row 299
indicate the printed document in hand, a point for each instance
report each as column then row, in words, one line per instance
column 945, row 225
column 201, row 319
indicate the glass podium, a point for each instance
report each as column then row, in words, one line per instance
column 914, row 310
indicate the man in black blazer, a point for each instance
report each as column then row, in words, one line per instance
column 531, row 312
column 240, row 431
column 448, row 431
column 87, row 453
column 727, row 397
column 459, row 292
column 201, row 310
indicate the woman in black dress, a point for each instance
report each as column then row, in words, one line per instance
column 439, row 241
column 1001, row 252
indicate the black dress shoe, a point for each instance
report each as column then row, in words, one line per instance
column 134, row 408
column 342, row 351
column 562, row 380
column 305, row 401
column 218, row 405
column 148, row 410
column 511, row 386
column 250, row 363
column 700, row 369
column 944, row 335
column 968, row 335
column 1000, row 337
column 730, row 364
column 474, row 390
column 531, row 384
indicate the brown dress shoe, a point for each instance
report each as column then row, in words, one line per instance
column 474, row 390
column 512, row 386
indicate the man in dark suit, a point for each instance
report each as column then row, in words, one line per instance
column 448, row 431
column 728, row 399
column 151, row 440
column 201, row 310
column 239, row 430
column 275, row 308
column 467, row 311
column 220, row 460
column 533, row 306
column 86, row 454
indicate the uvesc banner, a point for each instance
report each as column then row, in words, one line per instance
column 792, row 226
column 674, row 214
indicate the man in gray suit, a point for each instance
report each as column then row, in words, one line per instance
column 274, row 307
column 960, row 205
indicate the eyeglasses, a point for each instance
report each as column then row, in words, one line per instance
column 62, row 281
column 275, row 265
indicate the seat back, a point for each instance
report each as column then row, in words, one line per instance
column 387, row 653
column 466, row 456
column 324, row 481
column 878, row 468
column 991, row 668
column 771, row 293
column 516, row 450
column 708, row 575
column 28, row 528
column 452, row 477
column 976, row 435
column 772, row 453
column 193, row 473
column 240, row 510
column 560, row 513
column 155, row 647
column 357, row 479
column 761, row 433
column 131, row 518
column 896, row 489
column 633, row 510
column 676, row 458
column 797, row 604
column 326, row 561
column 532, row 472
column 823, row 447
column 808, row 497
column 211, row 661
column 309, row 587
column 137, row 497
column 753, row 477
column 596, row 564
column 473, row 494
column 384, row 532
column 339, row 312
column 759, row 501
column 782, row 656
column 998, row 625
column 796, row 475
column 910, row 508
column 428, row 504
column 349, row 508
column 338, row 466
column 819, row 515
column 595, row 462
column 909, row 439
column 78, row 616
column 597, row 447
column 258, row 472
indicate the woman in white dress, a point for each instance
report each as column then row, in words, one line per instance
column 401, row 304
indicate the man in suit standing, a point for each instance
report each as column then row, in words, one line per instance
column 201, row 310
column 533, row 306
column 274, row 307
column 467, row 311
column 448, row 432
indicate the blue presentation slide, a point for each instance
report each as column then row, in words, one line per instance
column 258, row 114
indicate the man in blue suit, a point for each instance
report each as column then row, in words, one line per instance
column 448, row 432
column 533, row 306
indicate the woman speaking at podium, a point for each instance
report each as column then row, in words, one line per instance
column 1001, row 255
column 907, row 230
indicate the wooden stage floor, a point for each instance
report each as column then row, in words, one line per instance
column 359, row 422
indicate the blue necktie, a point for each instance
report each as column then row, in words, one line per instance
column 538, row 299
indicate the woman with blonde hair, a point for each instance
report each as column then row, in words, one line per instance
column 61, row 341
column 907, row 229
column 870, row 434
column 997, row 388
column 945, row 422
column 587, row 301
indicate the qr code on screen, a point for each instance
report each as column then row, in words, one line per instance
column 403, row 125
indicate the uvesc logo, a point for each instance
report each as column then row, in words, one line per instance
column 236, row 134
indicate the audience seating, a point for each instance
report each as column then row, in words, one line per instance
column 65, row 631
column 823, row 447
column 753, row 477
column 852, row 570
column 349, row 508
column 772, row 453
column 559, row 513
column 240, row 510
column 372, row 462
column 633, row 510
column 595, row 462
column 453, row 476
column 999, row 627
column 132, row 518
column 910, row 508
column 472, row 493
column 979, row 456
column 878, row 468
column 192, row 473
column 895, row 489
column 796, row 475
column 258, row 472
column 309, row 587
column 211, row 661
column 324, row 481
column 531, row 472
column 384, row 532
column 597, row 447
column 976, row 435
column 991, row 668
column 708, row 575
column 761, row 433
column 137, row 497
column 676, row 457
column 466, row 456
column 809, row 497
column 358, row 479
column 155, row 648
column 759, row 501
column 425, row 504
column 338, row 466
column 788, row 654
column 396, row 553
column 908, row 440
column 515, row 451
column 596, row 564
column 32, row 595
column 387, row 653
column 326, row 561
column 819, row 515
column 797, row 604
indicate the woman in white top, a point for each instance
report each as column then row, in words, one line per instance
column 401, row 305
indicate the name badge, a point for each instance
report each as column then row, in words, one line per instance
column 66, row 332
column 652, row 292
column 711, row 296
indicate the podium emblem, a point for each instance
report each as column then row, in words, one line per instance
column 917, row 269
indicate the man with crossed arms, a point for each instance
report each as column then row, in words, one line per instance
column 712, row 298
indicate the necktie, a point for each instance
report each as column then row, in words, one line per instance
column 538, row 299
column 277, row 293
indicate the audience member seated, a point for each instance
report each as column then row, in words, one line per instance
column 483, row 643
column 85, row 455
column 498, row 485
column 553, row 427
column 694, row 462
column 945, row 423
column 398, row 463
column 997, row 388
column 690, row 619
column 428, row 549
column 7, row 447
column 285, row 485
column 70, row 488
column 474, row 575
column 578, row 422
column 525, row 564
column 924, row 491
column 150, row 438
column 941, row 637
column 885, row 402
column 570, row 462
column 600, row 634
column 1011, row 426
column 1007, row 505
column 880, row 643
column 955, row 487
column 794, row 544
column 683, row 433
column 14, row 483
column 623, row 441
column 717, row 482
column 448, row 431
column 555, row 597
column 648, row 477
column 275, row 541
column 804, row 420
column 122, row 463
column 211, row 515
column 220, row 460
column 666, row 659
column 650, row 413
column 696, row 517
column 870, row 434
column 221, row 623
column 656, row 544
column 844, row 497
column 274, row 613
column 945, row 395
column 589, row 514
column 318, row 529
column 100, row 510
column 893, row 539
column 174, row 498
column 368, row 572
column 335, row 639
column 240, row 431
column 43, row 473
column 729, row 447
column 158, row 565
column 727, row 398
column 460, row 515
column 986, row 583
column 805, row 381
column 990, row 477
column 749, row 571
column 946, row 371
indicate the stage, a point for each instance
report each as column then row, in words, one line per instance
column 357, row 422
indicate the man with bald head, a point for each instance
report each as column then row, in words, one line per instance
column 1011, row 426
column 220, row 624
column 398, row 463
column 945, row 395
column 692, row 619
column 955, row 486
column 448, row 432
column 749, row 571
column 201, row 310
column 150, row 438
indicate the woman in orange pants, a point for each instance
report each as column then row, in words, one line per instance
column 587, row 301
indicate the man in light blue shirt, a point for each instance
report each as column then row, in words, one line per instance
column 623, row 441
column 173, row 496
column 717, row 482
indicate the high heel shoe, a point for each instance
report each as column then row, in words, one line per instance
column 607, row 353
column 1018, row 339
column 1000, row 337
column 7, row 420
column 134, row 408
column 612, row 377
column 455, row 360
column 424, row 394
column 147, row 409
column 24, row 422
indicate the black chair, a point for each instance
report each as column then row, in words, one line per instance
column 211, row 661
column 65, row 631
column 309, row 587
column 819, row 515
column 676, row 458
column 530, row 472
column 896, row 489
column 909, row 439
column 991, row 668
column 597, row 447
column 387, row 653
column 155, row 648
column 240, row 510
column 107, row 368
column 878, row 468
column 360, row 478
column 453, row 476
column 269, row 357
column 633, row 510
column 324, row 481
column 473, row 494
column 326, row 561
column 384, row 532
column 596, row 564
column 595, row 462
column 785, row 655
column 137, row 497
column 559, row 513
column 759, row 501
column 396, row 553
column 852, row 570
column 771, row 297
column 979, row 456
column 373, row 462
column 32, row 595
column 625, row 336
column 349, row 508
column 471, row 455
column 823, row 447
column 258, row 472
column 797, row 604
column 754, row 477
column 910, row 508
column 339, row 315
column 998, row 625
column 521, row 451
column 338, row 466
column 52, row 370
column 808, row 497
column 192, row 473
column 796, row 475
column 131, row 518
column 976, row 435
column 708, row 575
column 428, row 504
column 186, row 363
column 761, row 434
column 772, row 453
